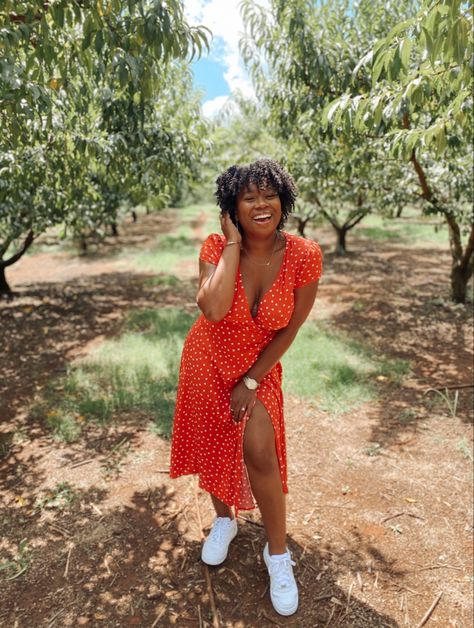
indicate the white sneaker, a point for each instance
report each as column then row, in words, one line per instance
column 215, row 548
column 283, row 589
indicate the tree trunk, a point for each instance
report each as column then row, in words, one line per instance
column 341, row 241
column 301, row 226
column 28, row 241
column 462, row 267
column 113, row 228
column 134, row 215
column 4, row 287
column 459, row 279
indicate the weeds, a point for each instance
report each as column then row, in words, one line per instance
column 407, row 416
column 373, row 450
column 60, row 497
column 20, row 564
column 465, row 449
column 449, row 399
column 396, row 528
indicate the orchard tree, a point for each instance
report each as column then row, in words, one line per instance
column 419, row 103
column 301, row 56
column 57, row 59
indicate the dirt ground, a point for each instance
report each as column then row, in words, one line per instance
column 380, row 502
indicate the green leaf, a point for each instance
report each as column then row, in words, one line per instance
column 123, row 75
column 99, row 42
column 404, row 50
column 378, row 67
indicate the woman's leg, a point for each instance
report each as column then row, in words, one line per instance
column 222, row 510
column 264, row 475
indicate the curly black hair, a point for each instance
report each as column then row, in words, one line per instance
column 263, row 173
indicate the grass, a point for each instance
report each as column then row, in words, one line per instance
column 134, row 376
column 182, row 245
column 135, row 373
column 412, row 227
column 336, row 373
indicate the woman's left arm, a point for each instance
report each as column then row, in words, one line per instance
column 241, row 396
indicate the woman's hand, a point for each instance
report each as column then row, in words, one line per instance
column 230, row 231
column 242, row 402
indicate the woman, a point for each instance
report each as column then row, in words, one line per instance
column 257, row 285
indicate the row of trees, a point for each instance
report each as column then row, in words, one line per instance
column 96, row 114
column 373, row 103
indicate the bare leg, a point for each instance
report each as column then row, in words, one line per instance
column 264, row 475
column 222, row 510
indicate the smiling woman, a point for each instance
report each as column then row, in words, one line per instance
column 257, row 285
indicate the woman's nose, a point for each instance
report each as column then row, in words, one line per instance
column 260, row 201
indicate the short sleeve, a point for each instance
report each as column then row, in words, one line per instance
column 212, row 248
column 310, row 268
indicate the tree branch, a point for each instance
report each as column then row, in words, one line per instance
column 14, row 258
column 5, row 245
column 350, row 225
column 332, row 220
column 15, row 17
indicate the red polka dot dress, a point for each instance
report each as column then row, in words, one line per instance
column 206, row 440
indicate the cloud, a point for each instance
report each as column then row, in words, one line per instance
column 224, row 20
column 210, row 108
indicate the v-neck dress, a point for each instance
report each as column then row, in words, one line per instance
column 206, row 440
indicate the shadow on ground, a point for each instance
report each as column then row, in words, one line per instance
column 133, row 565
column 395, row 300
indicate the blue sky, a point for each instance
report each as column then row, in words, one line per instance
column 222, row 71
column 209, row 76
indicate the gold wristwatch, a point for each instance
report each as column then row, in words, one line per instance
column 251, row 384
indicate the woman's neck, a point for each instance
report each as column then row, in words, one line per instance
column 259, row 246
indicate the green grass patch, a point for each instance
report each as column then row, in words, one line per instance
column 136, row 373
column 182, row 245
column 169, row 281
column 334, row 372
column 168, row 252
column 412, row 227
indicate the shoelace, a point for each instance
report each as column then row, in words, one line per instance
column 281, row 572
column 217, row 532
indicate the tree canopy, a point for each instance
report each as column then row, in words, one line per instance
column 96, row 112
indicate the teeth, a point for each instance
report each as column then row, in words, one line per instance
column 262, row 216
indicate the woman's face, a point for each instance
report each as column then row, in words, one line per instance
column 258, row 210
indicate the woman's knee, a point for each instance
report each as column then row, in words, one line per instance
column 259, row 442
column 260, row 458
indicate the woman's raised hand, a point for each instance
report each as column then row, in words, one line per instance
column 230, row 231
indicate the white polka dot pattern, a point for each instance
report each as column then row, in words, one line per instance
column 206, row 440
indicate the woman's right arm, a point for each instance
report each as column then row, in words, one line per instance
column 217, row 283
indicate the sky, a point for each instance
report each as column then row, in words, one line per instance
column 222, row 71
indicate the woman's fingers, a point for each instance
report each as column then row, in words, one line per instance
column 239, row 413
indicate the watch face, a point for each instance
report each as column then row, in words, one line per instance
column 250, row 383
